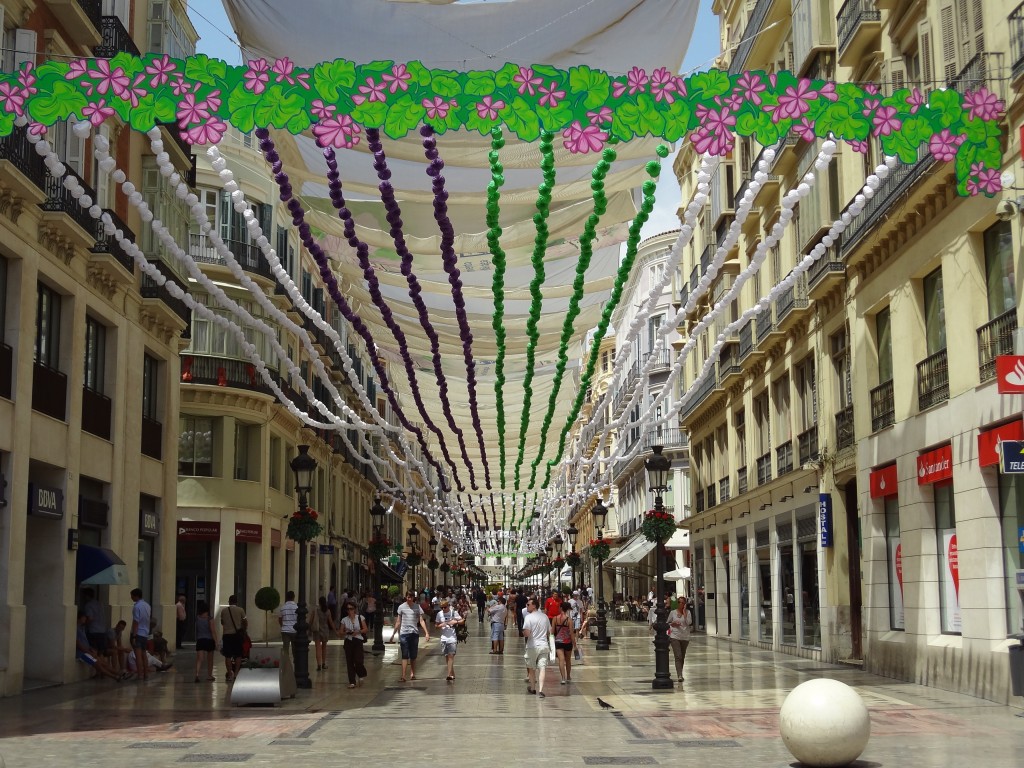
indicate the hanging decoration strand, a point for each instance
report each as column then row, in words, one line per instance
column 498, row 290
column 540, row 244
column 451, row 268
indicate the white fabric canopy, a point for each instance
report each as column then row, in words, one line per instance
column 677, row 574
column 633, row 551
column 613, row 35
column 680, row 539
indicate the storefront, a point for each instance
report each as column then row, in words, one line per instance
column 196, row 563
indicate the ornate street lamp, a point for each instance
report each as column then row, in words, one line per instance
column 573, row 534
column 548, row 551
column 377, row 514
column 658, row 467
column 432, row 562
column 304, row 466
column 604, row 643
column 445, row 567
column 413, row 537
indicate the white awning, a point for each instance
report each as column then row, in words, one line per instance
column 633, row 551
column 680, row 539
column 678, row 573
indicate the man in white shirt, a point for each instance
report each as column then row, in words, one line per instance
column 409, row 619
column 286, row 617
column 141, row 617
column 536, row 628
column 498, row 614
column 446, row 620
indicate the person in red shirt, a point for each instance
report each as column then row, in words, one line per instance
column 553, row 605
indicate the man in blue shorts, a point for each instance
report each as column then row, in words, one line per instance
column 408, row 620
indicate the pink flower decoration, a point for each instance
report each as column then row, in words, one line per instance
column 438, row 108
column 663, row 83
column 680, row 84
column 885, row 121
column 526, row 80
column 581, row 139
column 213, row 100
column 989, row 181
column 751, row 86
column 735, row 101
column 714, row 135
column 982, row 104
column 398, row 79
column 179, row 86
column 160, row 69
column 828, row 91
column 859, row 146
column 338, row 132
column 371, row 92
column 207, row 133
column 636, row 80
column 77, row 68
column 805, row 130
column 98, row 112
column 916, row 100
column 257, row 75
column 37, row 129
column 871, row 89
column 551, row 96
column 487, row 109
column 12, row 98
column 943, row 145
column 27, row 80
column 116, row 80
column 603, row 115
column 870, row 105
column 135, row 91
column 795, row 102
column 191, row 111
column 283, row 69
column 322, row 111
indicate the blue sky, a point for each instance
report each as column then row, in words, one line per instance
column 217, row 39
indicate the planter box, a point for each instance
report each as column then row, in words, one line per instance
column 264, row 686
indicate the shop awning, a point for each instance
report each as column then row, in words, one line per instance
column 96, row 565
column 633, row 551
column 680, row 540
column 678, row 573
column 386, row 573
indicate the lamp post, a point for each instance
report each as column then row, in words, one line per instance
column 444, row 566
column 303, row 466
column 548, row 550
column 604, row 643
column 573, row 534
column 558, row 544
column 658, row 467
column 433, row 559
column 413, row 537
column 377, row 513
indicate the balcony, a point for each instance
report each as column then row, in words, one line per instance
column 1016, row 21
column 784, row 458
column 248, row 255
column 807, row 445
column 723, row 490
column 6, row 371
column 95, row 413
column 844, row 428
column 706, row 256
column 108, row 244
column 741, row 481
column 825, row 273
column 666, row 437
column 883, row 406
column 116, row 39
column 21, row 168
column 662, row 361
column 932, row 380
column 755, row 23
column 764, row 469
column 984, row 69
column 149, row 289
column 790, row 305
column 694, row 279
column 64, row 212
column 81, row 19
column 152, row 438
column 49, row 391
column 729, row 364
column 995, row 338
column 703, row 392
column 625, row 390
column 765, row 326
column 221, row 372
column 771, row 184
column 859, row 28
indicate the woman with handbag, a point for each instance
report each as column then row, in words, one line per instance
column 323, row 622
column 562, row 628
column 233, row 625
column 353, row 634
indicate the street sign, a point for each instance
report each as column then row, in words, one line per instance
column 1011, row 462
column 825, row 518
column 1010, row 374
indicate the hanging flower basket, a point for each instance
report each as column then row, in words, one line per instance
column 600, row 549
column 303, row 525
column 573, row 560
column 658, row 526
column 379, row 548
column 413, row 559
column 558, row 563
column 445, row 568
column 432, row 564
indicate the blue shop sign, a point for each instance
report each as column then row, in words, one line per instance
column 825, row 518
column 1011, row 457
column 326, row 549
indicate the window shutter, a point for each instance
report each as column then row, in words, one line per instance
column 894, row 74
column 977, row 29
column 264, row 218
column 950, row 43
column 924, row 47
column 73, row 147
column 24, row 46
column 100, row 180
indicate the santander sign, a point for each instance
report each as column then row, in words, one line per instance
column 935, row 466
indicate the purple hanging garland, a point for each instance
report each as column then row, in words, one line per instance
column 299, row 221
column 450, row 261
column 373, row 284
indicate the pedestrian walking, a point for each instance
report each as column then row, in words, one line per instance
column 409, row 619
column 446, row 620
column 206, row 640
column 536, row 628
column 498, row 615
column 353, row 633
column 181, row 616
column 562, row 628
column 679, row 623
column 320, row 629
column 232, row 626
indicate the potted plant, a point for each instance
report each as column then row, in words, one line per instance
column 658, row 525
column 267, row 599
column 600, row 549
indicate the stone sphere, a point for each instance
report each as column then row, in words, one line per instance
column 824, row 723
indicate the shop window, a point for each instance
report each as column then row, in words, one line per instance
column 764, row 586
column 894, row 551
column 195, row 446
column 744, row 577
column 949, row 563
column 1011, row 513
column 787, row 585
column 807, row 601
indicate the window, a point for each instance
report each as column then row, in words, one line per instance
column 883, row 336
column 95, row 354
column 169, row 31
column 150, row 387
column 894, row 549
column 741, row 438
column 764, row 432
column 274, row 461
column 247, row 451
column 783, row 428
column 174, row 213
column 999, row 275
column 934, row 313
column 949, row 563
column 195, row 446
column 807, row 392
column 841, row 366
column 47, row 327
column 3, row 299
column 653, row 324
column 1011, row 513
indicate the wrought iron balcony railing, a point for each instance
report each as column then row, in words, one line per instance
column 995, row 338
column 116, row 39
column 883, row 406
column 844, row 428
column 932, row 380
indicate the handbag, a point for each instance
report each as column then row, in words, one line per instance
column 246, row 644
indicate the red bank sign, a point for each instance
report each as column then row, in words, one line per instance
column 935, row 466
column 1010, row 374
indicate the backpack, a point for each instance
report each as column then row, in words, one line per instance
column 563, row 634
